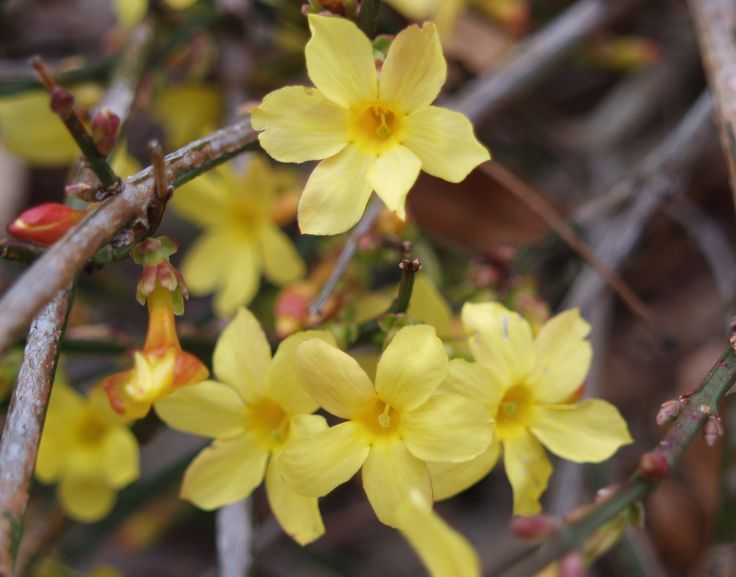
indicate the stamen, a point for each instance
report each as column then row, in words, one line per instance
column 383, row 129
column 384, row 419
column 505, row 327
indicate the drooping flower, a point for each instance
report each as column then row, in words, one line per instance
column 390, row 429
column 444, row 551
column 241, row 239
column 88, row 450
column 372, row 132
column 254, row 411
column 161, row 366
column 528, row 386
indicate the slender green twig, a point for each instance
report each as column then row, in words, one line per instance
column 19, row 253
column 699, row 407
column 368, row 16
column 409, row 268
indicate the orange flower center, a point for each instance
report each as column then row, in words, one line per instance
column 376, row 128
column 268, row 422
column 514, row 411
column 380, row 419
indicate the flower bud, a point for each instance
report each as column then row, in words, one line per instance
column 292, row 308
column 534, row 527
column 62, row 102
column 573, row 565
column 46, row 223
column 713, row 430
column 81, row 190
column 105, row 127
column 668, row 411
column 153, row 254
column 653, row 465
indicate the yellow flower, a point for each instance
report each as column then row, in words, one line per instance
column 187, row 111
column 254, row 411
column 240, row 238
column 443, row 13
column 88, row 450
column 371, row 133
column 443, row 550
column 30, row 130
column 130, row 12
column 390, row 429
column 527, row 385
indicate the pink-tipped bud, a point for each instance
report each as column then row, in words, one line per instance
column 46, row 223
column 573, row 565
column 535, row 527
column 81, row 190
column 668, row 412
column 653, row 465
column 105, row 127
column 62, row 102
column 713, row 430
column 605, row 493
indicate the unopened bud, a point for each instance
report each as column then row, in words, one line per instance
column 653, row 465
column 105, row 127
column 713, row 430
column 62, row 102
column 46, row 223
column 81, row 190
column 668, row 412
column 292, row 308
column 605, row 493
column 573, row 565
column 535, row 527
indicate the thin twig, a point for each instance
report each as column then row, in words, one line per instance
column 535, row 57
column 409, row 269
column 62, row 103
column 368, row 16
column 715, row 22
column 234, row 539
column 60, row 264
column 365, row 224
column 539, row 205
column 691, row 419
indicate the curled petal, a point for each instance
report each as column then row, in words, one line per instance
column 528, row 470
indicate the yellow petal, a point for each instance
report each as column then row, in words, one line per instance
column 449, row 479
column 501, row 340
column 207, row 409
column 333, row 379
column 563, row 357
column 226, row 471
column 417, row 9
column 242, row 356
column 429, row 306
column 475, row 381
column 586, row 432
column 411, row 367
column 299, row 124
column 240, row 281
column 86, row 498
column 444, row 551
column 51, row 459
column 208, row 200
column 298, row 515
column 444, row 142
column 282, row 385
column 340, row 61
column 205, row 265
column 390, row 473
column 528, row 470
column 314, row 466
column 119, row 456
column 414, row 70
column 281, row 261
column 187, row 111
column 129, row 12
column 447, row 428
column 392, row 175
column 336, row 193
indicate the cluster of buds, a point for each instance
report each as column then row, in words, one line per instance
column 161, row 366
column 46, row 223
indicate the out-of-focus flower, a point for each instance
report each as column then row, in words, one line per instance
column 130, row 12
column 88, row 450
column 241, row 239
column 161, row 366
column 390, row 429
column 254, row 411
column 187, row 111
column 444, row 551
column 371, row 133
column 527, row 385
column 31, row 130
column 624, row 53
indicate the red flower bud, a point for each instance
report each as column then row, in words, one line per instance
column 653, row 466
column 668, row 412
column 105, row 126
column 62, row 102
column 45, row 223
column 535, row 527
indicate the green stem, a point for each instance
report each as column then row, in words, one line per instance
column 409, row 269
column 699, row 407
column 368, row 16
column 19, row 253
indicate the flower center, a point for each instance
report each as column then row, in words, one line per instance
column 268, row 422
column 376, row 128
column 381, row 419
column 514, row 411
column 90, row 430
